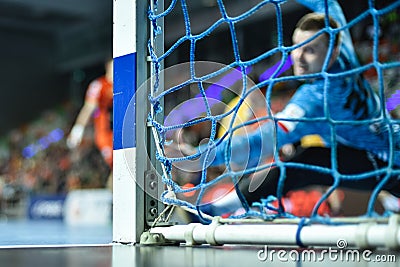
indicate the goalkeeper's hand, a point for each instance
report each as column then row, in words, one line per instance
column 389, row 202
column 75, row 137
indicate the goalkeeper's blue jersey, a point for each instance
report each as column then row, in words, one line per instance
column 339, row 106
column 341, row 109
column 357, row 119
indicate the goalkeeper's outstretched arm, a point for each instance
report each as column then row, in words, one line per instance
column 241, row 150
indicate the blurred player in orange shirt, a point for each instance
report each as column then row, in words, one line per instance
column 99, row 105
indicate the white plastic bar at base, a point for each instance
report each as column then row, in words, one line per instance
column 365, row 235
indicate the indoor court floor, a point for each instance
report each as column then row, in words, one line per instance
column 51, row 243
column 117, row 255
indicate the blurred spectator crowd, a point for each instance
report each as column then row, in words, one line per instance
column 34, row 159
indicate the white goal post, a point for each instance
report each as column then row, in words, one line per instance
column 133, row 209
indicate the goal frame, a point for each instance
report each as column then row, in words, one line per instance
column 135, row 179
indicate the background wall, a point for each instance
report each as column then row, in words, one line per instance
column 49, row 50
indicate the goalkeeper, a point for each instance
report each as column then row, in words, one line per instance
column 319, row 60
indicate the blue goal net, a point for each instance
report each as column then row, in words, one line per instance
column 227, row 93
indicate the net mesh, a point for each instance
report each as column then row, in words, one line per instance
column 192, row 102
